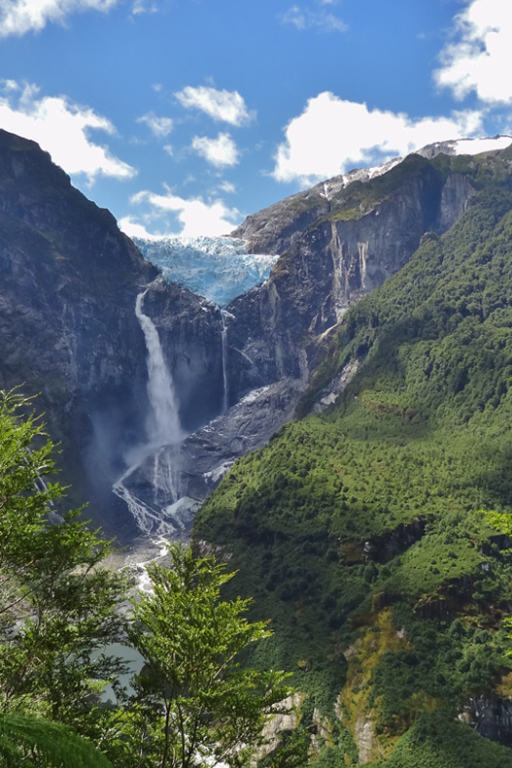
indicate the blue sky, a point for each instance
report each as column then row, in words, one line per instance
column 184, row 116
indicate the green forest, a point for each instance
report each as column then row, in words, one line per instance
column 375, row 535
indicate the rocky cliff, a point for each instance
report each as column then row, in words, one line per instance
column 68, row 329
column 338, row 241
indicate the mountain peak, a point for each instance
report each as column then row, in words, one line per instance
column 465, row 146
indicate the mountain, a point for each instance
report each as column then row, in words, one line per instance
column 336, row 242
column 383, row 328
column 363, row 531
column 80, row 306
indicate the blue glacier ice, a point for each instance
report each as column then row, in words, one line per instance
column 219, row 268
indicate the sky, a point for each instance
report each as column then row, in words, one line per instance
column 185, row 116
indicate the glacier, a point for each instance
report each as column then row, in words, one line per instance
column 218, row 268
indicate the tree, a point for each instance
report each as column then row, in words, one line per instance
column 56, row 744
column 195, row 704
column 57, row 601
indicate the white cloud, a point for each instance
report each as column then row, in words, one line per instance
column 141, row 6
column 62, row 129
column 196, row 217
column 160, row 126
column 169, row 149
column 330, row 23
column 307, row 19
column 225, row 106
column 294, row 16
column 479, row 58
column 133, row 228
column 220, row 152
column 227, row 186
column 20, row 16
column 332, row 135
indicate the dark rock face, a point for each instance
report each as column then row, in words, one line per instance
column 328, row 264
column 490, row 716
column 68, row 330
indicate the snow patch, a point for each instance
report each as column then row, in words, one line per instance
column 466, row 146
column 475, row 146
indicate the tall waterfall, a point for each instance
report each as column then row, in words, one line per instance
column 163, row 424
column 224, row 342
column 163, row 429
column 225, row 315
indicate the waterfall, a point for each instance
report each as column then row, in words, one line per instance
column 163, row 429
column 163, row 424
column 224, row 345
column 363, row 259
column 153, row 515
column 144, row 516
column 164, row 480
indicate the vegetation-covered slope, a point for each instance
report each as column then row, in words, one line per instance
column 360, row 532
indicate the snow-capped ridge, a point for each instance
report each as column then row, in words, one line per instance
column 221, row 268
column 331, row 187
column 466, row 146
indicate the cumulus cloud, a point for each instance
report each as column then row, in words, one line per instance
column 134, row 228
column 333, row 135
column 220, row 152
column 307, row 19
column 223, row 106
column 17, row 17
column 62, row 129
column 159, row 126
column 195, row 216
column 478, row 57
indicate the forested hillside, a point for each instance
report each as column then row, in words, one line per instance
column 364, row 531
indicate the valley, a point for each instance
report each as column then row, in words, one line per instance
column 332, row 419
